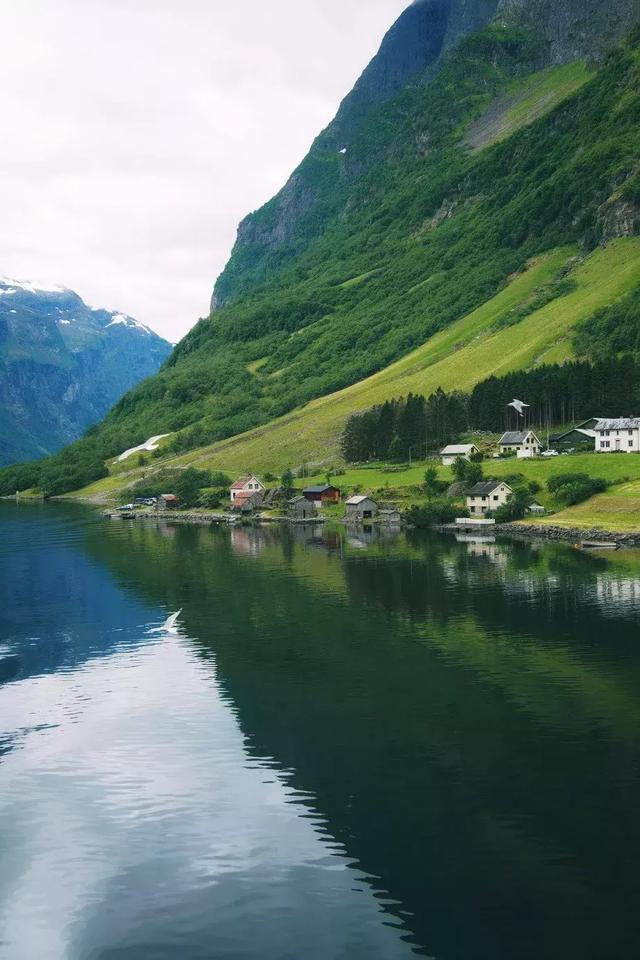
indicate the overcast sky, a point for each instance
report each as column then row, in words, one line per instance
column 137, row 133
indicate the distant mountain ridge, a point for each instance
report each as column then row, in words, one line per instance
column 63, row 365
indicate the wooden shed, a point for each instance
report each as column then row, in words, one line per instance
column 299, row 508
column 361, row 508
column 325, row 493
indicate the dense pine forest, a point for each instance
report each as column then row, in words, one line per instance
column 556, row 393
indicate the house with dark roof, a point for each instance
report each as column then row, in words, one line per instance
column 325, row 493
column 620, row 435
column 524, row 443
column 576, row 437
column 487, row 496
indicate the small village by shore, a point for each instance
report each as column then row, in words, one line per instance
column 473, row 501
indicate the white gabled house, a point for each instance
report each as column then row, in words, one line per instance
column 487, row 496
column 618, row 436
column 245, row 485
column 455, row 451
column 524, row 443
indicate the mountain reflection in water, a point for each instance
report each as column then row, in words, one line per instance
column 356, row 744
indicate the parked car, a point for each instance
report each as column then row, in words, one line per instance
column 549, row 453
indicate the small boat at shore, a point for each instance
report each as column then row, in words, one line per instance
column 597, row 545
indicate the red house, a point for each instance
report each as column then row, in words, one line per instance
column 323, row 494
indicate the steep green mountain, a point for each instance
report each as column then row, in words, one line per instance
column 63, row 365
column 488, row 143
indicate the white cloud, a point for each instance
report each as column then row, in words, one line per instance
column 139, row 132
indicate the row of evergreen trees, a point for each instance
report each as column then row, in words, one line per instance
column 557, row 394
column 400, row 429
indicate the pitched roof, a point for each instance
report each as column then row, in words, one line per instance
column 588, row 434
column 321, row 489
column 168, row 496
column 486, row 488
column 515, row 436
column 356, row 501
column 245, row 496
column 458, row 448
column 240, row 483
column 296, row 500
column 623, row 423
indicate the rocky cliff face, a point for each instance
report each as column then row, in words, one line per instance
column 574, row 29
column 413, row 45
column 411, row 51
column 63, row 365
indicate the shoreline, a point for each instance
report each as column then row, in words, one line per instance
column 570, row 534
column 547, row 531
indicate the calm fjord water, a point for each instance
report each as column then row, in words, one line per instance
column 356, row 746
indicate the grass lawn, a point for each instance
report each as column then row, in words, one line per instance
column 617, row 510
column 377, row 477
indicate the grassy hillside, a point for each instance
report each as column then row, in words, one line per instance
column 457, row 358
column 524, row 101
column 423, row 268
column 617, row 510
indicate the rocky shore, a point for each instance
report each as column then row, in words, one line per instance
column 204, row 517
column 570, row 534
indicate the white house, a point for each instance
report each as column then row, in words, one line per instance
column 618, row 436
column 487, row 496
column 524, row 443
column 456, row 450
column 244, row 486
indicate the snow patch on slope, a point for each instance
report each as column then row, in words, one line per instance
column 120, row 319
column 148, row 447
column 30, row 286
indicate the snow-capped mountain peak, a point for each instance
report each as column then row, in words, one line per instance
column 29, row 286
column 63, row 365
column 121, row 319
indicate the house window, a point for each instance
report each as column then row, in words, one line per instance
column 630, row 443
column 495, row 499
